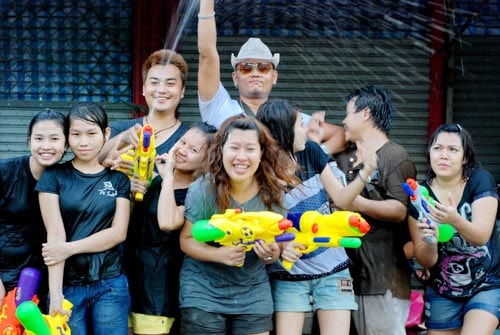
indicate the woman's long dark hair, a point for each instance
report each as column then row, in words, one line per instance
column 467, row 144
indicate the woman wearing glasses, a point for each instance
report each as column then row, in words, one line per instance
column 463, row 292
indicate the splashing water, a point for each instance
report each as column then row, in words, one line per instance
column 183, row 14
column 178, row 22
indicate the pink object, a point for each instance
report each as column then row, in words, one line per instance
column 416, row 309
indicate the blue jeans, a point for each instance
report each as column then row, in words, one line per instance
column 99, row 308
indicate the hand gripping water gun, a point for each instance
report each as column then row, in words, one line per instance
column 315, row 230
column 25, row 291
column 145, row 157
column 37, row 323
column 421, row 200
column 236, row 228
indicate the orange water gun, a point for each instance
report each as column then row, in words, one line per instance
column 25, row 290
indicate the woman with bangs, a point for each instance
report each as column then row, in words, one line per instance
column 225, row 289
column 21, row 226
column 463, row 289
column 322, row 275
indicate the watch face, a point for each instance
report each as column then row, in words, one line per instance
column 374, row 177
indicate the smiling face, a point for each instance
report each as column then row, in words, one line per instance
column 163, row 88
column 241, row 155
column 190, row 150
column 447, row 155
column 47, row 142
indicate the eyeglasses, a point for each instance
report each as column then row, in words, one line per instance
column 246, row 68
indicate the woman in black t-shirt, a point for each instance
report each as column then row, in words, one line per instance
column 21, row 226
column 85, row 208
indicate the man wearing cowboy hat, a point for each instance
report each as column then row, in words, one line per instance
column 255, row 73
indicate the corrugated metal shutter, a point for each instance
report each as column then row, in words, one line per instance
column 319, row 72
column 476, row 97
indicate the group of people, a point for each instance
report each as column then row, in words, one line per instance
column 135, row 267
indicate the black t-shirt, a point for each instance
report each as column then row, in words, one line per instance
column 21, row 227
column 153, row 256
column 87, row 203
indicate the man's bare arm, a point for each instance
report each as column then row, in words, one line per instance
column 209, row 62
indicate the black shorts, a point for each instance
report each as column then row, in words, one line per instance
column 196, row 321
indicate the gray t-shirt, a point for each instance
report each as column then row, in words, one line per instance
column 215, row 287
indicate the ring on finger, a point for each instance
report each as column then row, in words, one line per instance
column 268, row 258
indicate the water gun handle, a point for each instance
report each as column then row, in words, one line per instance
column 9, row 324
column 421, row 200
column 287, row 264
column 144, row 157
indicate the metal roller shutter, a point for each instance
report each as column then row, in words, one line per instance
column 476, row 97
column 319, row 72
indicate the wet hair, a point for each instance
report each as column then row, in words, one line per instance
column 89, row 112
column 208, row 131
column 279, row 116
column 378, row 102
column 276, row 170
column 49, row 115
column 165, row 57
column 467, row 145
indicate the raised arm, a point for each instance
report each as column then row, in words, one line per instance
column 127, row 138
column 344, row 196
column 329, row 135
column 170, row 216
column 209, row 62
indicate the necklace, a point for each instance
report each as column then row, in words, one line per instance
column 241, row 205
column 167, row 128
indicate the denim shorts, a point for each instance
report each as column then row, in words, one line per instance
column 333, row 292
column 99, row 308
column 443, row 313
column 197, row 321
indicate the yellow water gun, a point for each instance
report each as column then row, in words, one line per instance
column 144, row 158
column 236, row 228
column 36, row 323
column 314, row 230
